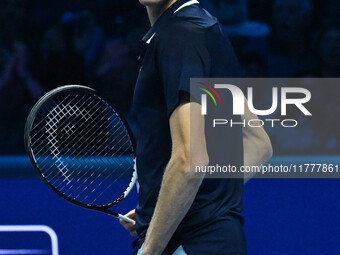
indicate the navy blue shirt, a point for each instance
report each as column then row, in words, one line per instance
column 183, row 44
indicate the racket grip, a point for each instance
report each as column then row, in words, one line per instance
column 124, row 218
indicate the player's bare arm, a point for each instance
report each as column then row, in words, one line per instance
column 256, row 144
column 175, row 49
column 179, row 187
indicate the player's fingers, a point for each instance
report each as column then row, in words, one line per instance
column 131, row 215
column 133, row 233
column 127, row 225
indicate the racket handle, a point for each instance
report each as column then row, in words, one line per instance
column 124, row 218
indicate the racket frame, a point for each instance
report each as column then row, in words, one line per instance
column 27, row 142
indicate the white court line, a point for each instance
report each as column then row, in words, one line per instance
column 33, row 228
column 23, row 251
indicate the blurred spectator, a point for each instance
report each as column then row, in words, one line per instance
column 13, row 20
column 87, row 38
column 292, row 21
column 230, row 11
column 330, row 52
column 16, row 81
column 311, row 135
column 17, row 89
column 260, row 10
column 288, row 50
column 59, row 63
column 95, row 43
column 233, row 15
column 254, row 65
column 332, row 13
column 117, row 74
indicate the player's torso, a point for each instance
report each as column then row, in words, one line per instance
column 154, row 140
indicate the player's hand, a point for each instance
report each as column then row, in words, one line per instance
column 128, row 225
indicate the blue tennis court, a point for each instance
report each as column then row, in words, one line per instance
column 282, row 216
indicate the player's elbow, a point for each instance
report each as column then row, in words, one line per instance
column 198, row 160
column 189, row 160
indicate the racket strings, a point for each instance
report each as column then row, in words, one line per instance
column 88, row 185
column 43, row 113
column 83, row 149
column 61, row 138
column 54, row 118
column 106, row 178
column 75, row 157
column 80, row 141
column 103, row 172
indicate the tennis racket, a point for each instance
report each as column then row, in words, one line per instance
column 82, row 148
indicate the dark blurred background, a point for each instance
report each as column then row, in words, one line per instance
column 46, row 44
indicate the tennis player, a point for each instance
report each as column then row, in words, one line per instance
column 176, row 213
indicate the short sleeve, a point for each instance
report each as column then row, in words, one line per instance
column 181, row 57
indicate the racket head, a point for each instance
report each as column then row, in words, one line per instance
column 64, row 134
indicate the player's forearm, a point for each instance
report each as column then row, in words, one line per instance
column 177, row 193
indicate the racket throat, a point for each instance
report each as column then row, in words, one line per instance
column 120, row 216
column 114, row 214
